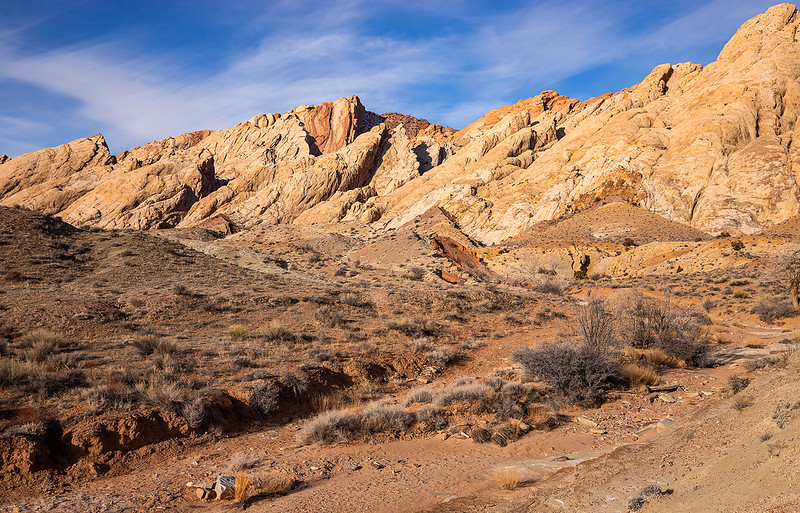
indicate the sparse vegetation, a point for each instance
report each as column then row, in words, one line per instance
column 643, row 497
column 237, row 331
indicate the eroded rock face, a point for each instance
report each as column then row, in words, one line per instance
column 710, row 147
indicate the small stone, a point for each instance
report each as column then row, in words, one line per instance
column 377, row 465
column 204, row 494
column 598, row 431
column 352, row 467
column 667, row 398
column 664, row 424
column 586, row 422
column 225, row 487
column 442, row 436
column 646, row 430
column 520, row 425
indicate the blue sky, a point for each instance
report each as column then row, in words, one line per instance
column 140, row 71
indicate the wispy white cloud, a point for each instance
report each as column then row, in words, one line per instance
column 329, row 52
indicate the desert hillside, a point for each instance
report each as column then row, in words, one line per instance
column 564, row 306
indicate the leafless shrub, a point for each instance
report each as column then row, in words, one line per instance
column 581, row 372
column 352, row 299
column 595, row 323
column 443, row 355
column 480, row 435
column 550, row 286
column 737, row 384
column 769, row 312
column 741, row 402
column 385, row 419
column 416, row 273
column 153, row 344
column 644, row 495
column 264, row 398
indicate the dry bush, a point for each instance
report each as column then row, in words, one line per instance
column 551, row 286
column 507, row 478
column 422, row 396
column 14, row 371
column 342, row 425
column 737, row 384
column 385, row 419
column 152, row 344
column 444, row 355
column 237, row 331
column 277, row 332
column 581, row 372
column 241, row 462
column 741, row 402
column 415, row 328
column 469, row 392
column 639, row 375
column 328, row 317
column 542, row 416
column 264, row 398
column 271, row 483
column 643, row 497
column 596, row 323
column 656, row 324
column 353, row 299
column 769, row 312
column 416, row 273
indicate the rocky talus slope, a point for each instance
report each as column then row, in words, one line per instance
column 711, row 147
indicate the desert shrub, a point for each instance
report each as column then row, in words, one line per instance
column 555, row 287
column 741, row 402
column 415, row 328
column 443, row 355
column 654, row 324
column 740, row 294
column 643, row 497
column 581, row 372
column 237, row 331
column 271, row 483
column 422, row 396
column 342, row 425
column 652, row 357
column 384, row 419
column 737, row 384
column 432, row 418
column 352, row 299
column 241, row 461
column 295, row 380
column 781, row 417
column 770, row 312
column 628, row 242
column 264, row 398
column 416, row 273
column 737, row 245
column 14, row 276
column 320, row 354
column 480, row 435
column 328, row 317
column 277, row 332
column 469, row 392
column 14, row 371
column 153, row 344
column 760, row 363
column 595, row 323
column 117, row 397
column 708, row 304
column 333, row 401
column 160, row 390
column 194, row 411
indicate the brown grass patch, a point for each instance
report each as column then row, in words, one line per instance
column 639, row 374
column 242, row 487
column 507, row 478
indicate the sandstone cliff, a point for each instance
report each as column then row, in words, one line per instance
column 712, row 147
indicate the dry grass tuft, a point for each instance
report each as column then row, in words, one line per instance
column 639, row 375
column 237, row 331
column 242, row 487
column 652, row 357
column 271, row 483
column 507, row 478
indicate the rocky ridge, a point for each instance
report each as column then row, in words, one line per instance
column 710, row 147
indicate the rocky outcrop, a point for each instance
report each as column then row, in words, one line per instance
column 332, row 125
column 711, row 147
